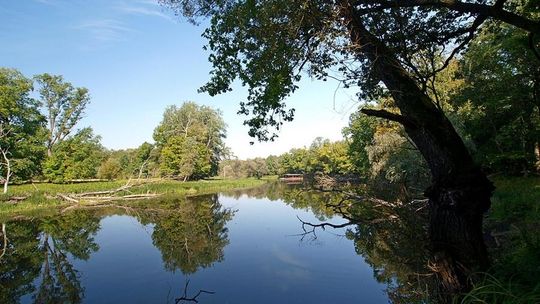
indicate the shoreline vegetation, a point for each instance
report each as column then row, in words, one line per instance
column 34, row 198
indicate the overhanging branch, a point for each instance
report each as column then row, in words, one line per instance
column 388, row 115
column 495, row 11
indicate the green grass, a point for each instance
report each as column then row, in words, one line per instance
column 41, row 197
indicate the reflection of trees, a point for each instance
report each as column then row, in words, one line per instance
column 39, row 249
column 391, row 236
column 193, row 235
column 394, row 243
column 21, row 263
column 297, row 196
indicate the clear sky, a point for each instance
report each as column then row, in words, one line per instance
column 136, row 58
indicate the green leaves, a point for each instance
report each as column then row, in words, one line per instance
column 77, row 157
column 21, row 127
column 191, row 141
column 64, row 106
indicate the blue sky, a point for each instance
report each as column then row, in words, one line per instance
column 136, row 58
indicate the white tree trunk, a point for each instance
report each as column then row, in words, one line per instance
column 8, row 170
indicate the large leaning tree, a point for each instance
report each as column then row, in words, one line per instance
column 387, row 49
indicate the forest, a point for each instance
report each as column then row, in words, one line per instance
column 446, row 130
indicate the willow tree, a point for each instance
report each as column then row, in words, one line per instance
column 387, row 49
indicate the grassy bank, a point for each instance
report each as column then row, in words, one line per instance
column 514, row 225
column 43, row 196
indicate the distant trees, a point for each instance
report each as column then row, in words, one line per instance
column 141, row 162
column 323, row 156
column 21, row 128
column 64, row 106
column 190, row 141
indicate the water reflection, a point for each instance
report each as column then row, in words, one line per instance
column 45, row 257
column 390, row 235
column 193, row 235
column 36, row 259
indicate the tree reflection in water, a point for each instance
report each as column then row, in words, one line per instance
column 390, row 235
column 36, row 260
column 192, row 234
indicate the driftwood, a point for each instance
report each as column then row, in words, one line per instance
column 100, row 197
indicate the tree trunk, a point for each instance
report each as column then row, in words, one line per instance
column 460, row 193
column 7, row 163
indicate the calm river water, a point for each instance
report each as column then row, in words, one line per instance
column 239, row 247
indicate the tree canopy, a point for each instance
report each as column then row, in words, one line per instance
column 21, row 128
column 190, row 138
column 64, row 106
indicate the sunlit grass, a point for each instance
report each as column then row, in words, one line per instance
column 42, row 196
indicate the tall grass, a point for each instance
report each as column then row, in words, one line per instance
column 491, row 290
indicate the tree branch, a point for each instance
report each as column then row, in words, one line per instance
column 495, row 11
column 185, row 298
column 388, row 115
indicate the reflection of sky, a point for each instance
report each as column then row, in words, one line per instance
column 264, row 263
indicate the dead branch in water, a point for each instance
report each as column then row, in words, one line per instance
column 312, row 228
column 185, row 298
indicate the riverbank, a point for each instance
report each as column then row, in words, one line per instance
column 513, row 225
column 35, row 198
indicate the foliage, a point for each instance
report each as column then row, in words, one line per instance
column 141, row 162
column 194, row 235
column 64, row 106
column 359, row 134
column 77, row 157
column 185, row 158
column 498, row 102
column 310, row 37
column 190, row 139
column 21, row 127
column 109, row 169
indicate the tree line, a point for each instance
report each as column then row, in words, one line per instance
column 38, row 139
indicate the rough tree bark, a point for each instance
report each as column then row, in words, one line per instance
column 460, row 192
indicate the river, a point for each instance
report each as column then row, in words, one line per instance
column 244, row 246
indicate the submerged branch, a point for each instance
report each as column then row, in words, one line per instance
column 185, row 298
